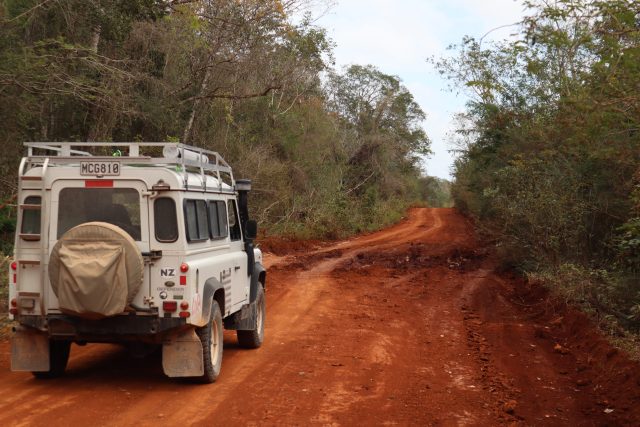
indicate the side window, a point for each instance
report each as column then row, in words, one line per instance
column 218, row 219
column 166, row 221
column 191, row 219
column 203, row 220
column 31, row 215
column 197, row 223
column 234, row 224
column 222, row 219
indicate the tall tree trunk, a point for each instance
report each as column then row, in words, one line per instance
column 95, row 131
column 44, row 120
column 95, row 38
column 186, row 135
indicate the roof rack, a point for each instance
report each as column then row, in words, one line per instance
column 129, row 153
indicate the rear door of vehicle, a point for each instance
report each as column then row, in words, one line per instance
column 119, row 202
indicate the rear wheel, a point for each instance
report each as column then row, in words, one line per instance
column 58, row 358
column 254, row 338
column 211, row 338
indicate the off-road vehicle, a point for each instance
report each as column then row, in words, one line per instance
column 143, row 244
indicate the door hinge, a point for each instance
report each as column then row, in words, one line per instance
column 152, row 255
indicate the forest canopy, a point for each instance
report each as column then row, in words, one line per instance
column 330, row 152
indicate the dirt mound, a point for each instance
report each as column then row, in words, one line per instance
column 284, row 246
column 305, row 262
column 604, row 370
column 586, row 374
column 417, row 256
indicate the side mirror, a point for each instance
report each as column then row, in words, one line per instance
column 251, row 229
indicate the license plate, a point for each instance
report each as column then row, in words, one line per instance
column 100, row 168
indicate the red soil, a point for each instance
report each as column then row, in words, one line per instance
column 410, row 326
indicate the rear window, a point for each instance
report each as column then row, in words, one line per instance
column 117, row 206
column 166, row 221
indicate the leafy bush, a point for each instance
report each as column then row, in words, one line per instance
column 627, row 244
column 4, row 282
column 549, row 149
column 7, row 228
column 612, row 298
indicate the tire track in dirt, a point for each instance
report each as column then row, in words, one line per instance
column 406, row 326
column 285, row 317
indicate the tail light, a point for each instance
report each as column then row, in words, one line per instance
column 184, row 305
column 170, row 306
column 184, row 267
column 185, row 314
column 98, row 183
column 14, row 310
column 14, row 267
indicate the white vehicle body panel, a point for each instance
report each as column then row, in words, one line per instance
column 222, row 259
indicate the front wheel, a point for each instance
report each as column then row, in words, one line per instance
column 211, row 338
column 254, row 338
column 58, row 358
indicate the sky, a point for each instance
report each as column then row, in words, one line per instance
column 399, row 36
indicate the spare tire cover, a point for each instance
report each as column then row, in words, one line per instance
column 95, row 270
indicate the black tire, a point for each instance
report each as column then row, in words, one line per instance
column 211, row 338
column 254, row 338
column 58, row 358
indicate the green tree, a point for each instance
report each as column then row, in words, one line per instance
column 239, row 77
column 549, row 143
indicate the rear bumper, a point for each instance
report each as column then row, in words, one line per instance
column 112, row 329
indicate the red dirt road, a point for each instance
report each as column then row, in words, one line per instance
column 407, row 326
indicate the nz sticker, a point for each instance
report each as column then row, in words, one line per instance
column 167, row 272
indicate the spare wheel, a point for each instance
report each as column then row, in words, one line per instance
column 95, row 270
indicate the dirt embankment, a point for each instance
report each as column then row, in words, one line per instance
column 407, row 326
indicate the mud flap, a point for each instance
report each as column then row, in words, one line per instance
column 243, row 320
column 29, row 350
column 182, row 355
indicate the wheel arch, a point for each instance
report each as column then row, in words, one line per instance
column 259, row 277
column 212, row 290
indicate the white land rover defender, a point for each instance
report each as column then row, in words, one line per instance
column 134, row 243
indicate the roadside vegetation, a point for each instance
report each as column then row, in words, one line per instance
column 549, row 150
column 5, row 262
column 331, row 152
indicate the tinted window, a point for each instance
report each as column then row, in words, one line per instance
column 31, row 216
column 222, row 219
column 203, row 220
column 218, row 219
column 166, row 221
column 197, row 221
column 214, row 226
column 117, row 206
column 234, row 224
